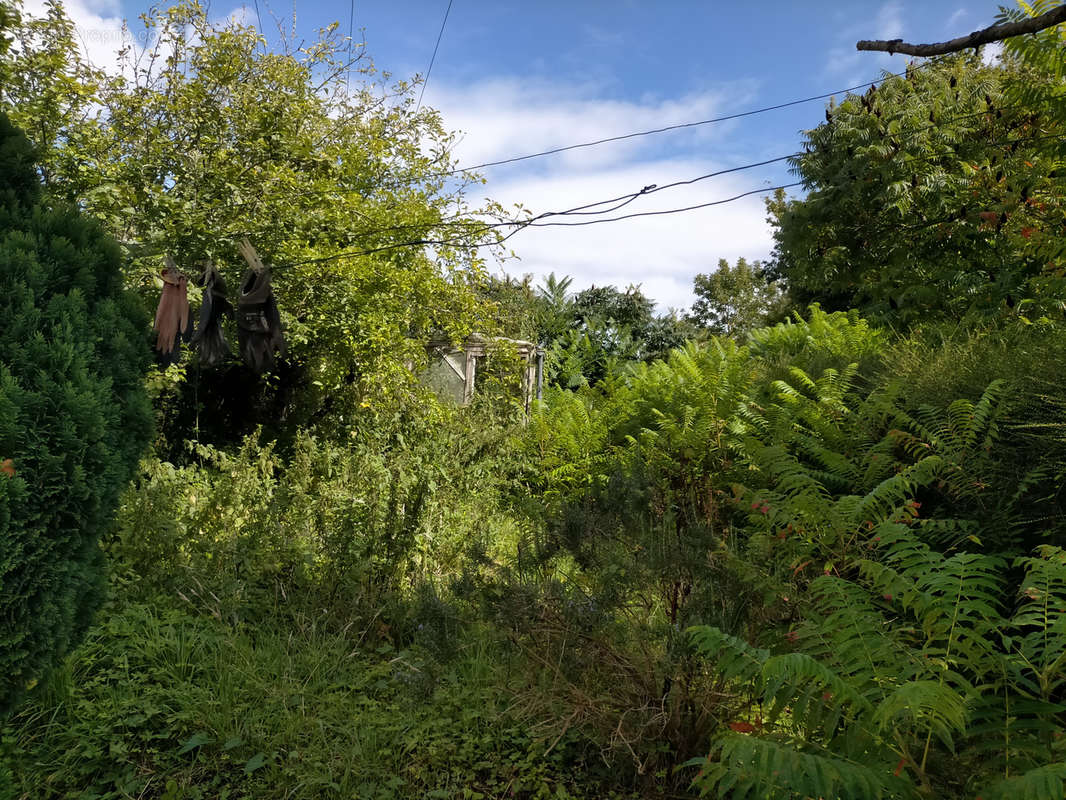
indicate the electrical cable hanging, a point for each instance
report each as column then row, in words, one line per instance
column 537, row 222
column 682, row 125
column 910, row 132
column 619, row 202
column 625, row 199
column 458, row 170
column 434, row 56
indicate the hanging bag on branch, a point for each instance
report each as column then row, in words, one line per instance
column 258, row 321
column 172, row 316
column 209, row 338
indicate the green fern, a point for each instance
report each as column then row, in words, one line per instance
column 908, row 667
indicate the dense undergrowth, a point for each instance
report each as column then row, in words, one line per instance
column 822, row 567
column 301, row 624
column 817, row 559
column 165, row 702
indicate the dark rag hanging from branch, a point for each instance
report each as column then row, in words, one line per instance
column 172, row 317
column 258, row 321
column 209, row 338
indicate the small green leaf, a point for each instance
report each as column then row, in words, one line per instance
column 196, row 740
column 254, row 763
column 235, row 741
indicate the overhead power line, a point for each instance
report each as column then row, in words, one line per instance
column 414, row 179
column 648, row 190
column 518, row 226
column 514, row 159
column 538, row 220
column 682, row 125
column 434, row 56
column 351, row 24
column 616, row 203
column 738, row 115
column 470, row 229
column 666, row 211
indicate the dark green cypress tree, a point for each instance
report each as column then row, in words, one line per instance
column 74, row 416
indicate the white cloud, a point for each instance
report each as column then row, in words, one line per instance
column 504, row 118
column 101, row 31
column 957, row 17
column 242, row 15
column 100, row 27
column 661, row 253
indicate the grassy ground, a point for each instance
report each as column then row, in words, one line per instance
column 161, row 702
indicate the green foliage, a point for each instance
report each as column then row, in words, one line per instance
column 640, row 480
column 555, row 308
column 513, row 306
column 666, row 437
column 905, row 672
column 302, row 625
column 168, row 703
column 908, row 682
column 833, row 554
column 208, row 136
column 932, row 195
column 74, row 417
column 735, row 300
column 1044, row 53
column 343, row 529
column 1010, row 482
column 8, row 20
column 791, row 492
column 49, row 91
column 600, row 329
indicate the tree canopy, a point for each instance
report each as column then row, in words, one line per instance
column 931, row 196
column 733, row 300
column 325, row 164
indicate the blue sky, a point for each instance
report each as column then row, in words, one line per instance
column 519, row 77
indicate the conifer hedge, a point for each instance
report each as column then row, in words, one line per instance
column 74, row 416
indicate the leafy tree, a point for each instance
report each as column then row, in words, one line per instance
column 74, row 417
column 513, row 305
column 603, row 328
column 731, row 301
column 8, row 20
column 932, row 195
column 555, row 307
column 1044, row 52
column 630, row 309
column 52, row 94
column 208, row 136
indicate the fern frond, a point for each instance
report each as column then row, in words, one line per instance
column 1041, row 618
column 923, row 705
column 734, row 658
column 1042, row 783
column 817, row 698
column 763, row 769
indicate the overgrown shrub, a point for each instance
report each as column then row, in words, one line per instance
column 347, row 528
column 640, row 479
column 923, row 653
column 74, row 416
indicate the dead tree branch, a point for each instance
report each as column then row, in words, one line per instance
column 994, row 33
